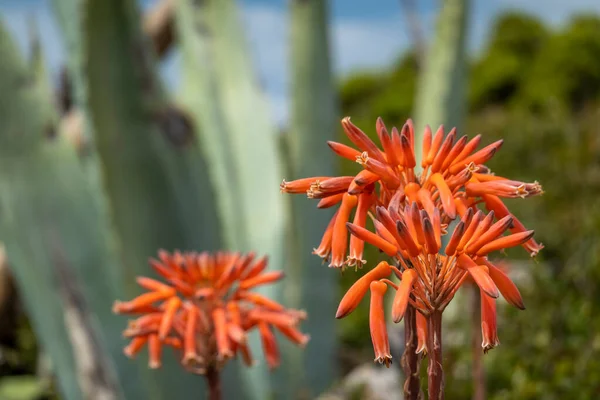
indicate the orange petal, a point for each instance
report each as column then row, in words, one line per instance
column 467, row 150
column 461, row 207
column 260, row 300
column 358, row 290
column 269, row 345
column 343, row 151
column 255, row 269
column 365, row 200
column 414, row 223
column 490, row 234
column 183, row 286
column 319, row 190
column 162, row 269
column 142, row 301
column 470, row 229
column 324, row 248
column 507, row 287
column 189, row 341
column 386, row 142
column 407, row 150
column 365, row 177
column 361, row 140
column 294, row 335
column 407, row 240
column 154, row 352
column 459, row 230
column 458, row 181
column 221, row 337
column 384, row 233
column 397, row 145
column 273, row 318
column 384, row 217
column 479, row 275
column 152, row 284
column 445, row 195
column 339, row 241
column 456, row 150
column 444, row 151
column 381, row 169
column 402, row 294
column 262, row 279
column 424, row 197
column 396, row 200
column 379, row 336
column 236, row 334
column 172, row 341
column 435, row 145
column 167, row 321
column 300, row 185
column 489, row 331
column 482, row 227
column 372, row 238
column 330, row 201
column 135, row 346
column 505, row 242
column 430, row 237
column 411, row 190
column 480, row 157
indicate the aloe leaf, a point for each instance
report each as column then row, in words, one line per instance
column 157, row 194
column 441, row 94
column 238, row 139
column 43, row 212
column 314, row 115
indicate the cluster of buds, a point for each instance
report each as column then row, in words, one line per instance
column 411, row 212
column 205, row 309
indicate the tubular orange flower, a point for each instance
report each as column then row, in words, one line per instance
column 488, row 323
column 412, row 212
column 205, row 310
column 379, row 334
column 355, row 294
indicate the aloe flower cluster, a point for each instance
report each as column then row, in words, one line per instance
column 412, row 212
column 204, row 308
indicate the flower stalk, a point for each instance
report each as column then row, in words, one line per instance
column 411, row 361
column 435, row 371
column 213, row 380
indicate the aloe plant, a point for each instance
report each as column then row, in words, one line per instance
column 156, row 192
column 441, row 94
column 314, row 116
column 45, row 218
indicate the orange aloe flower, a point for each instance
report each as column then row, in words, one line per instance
column 204, row 309
column 429, row 275
column 453, row 178
column 411, row 212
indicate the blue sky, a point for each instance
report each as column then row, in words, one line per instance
column 366, row 34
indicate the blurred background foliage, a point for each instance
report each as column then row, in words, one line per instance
column 538, row 87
